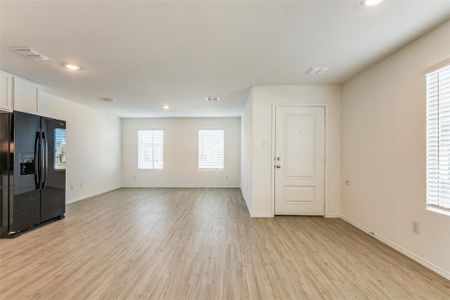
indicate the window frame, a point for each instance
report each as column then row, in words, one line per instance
column 431, row 206
column 198, row 150
column 163, row 150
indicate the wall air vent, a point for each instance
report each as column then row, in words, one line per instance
column 317, row 70
column 31, row 53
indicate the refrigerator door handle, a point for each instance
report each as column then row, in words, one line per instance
column 37, row 156
column 44, row 160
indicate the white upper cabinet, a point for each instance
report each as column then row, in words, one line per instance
column 6, row 101
column 26, row 95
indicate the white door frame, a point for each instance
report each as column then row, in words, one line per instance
column 274, row 107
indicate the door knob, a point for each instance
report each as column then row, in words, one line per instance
column 278, row 166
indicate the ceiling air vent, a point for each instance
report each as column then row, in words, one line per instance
column 31, row 53
column 317, row 70
column 212, row 99
column 107, row 99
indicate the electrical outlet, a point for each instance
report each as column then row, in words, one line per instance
column 415, row 227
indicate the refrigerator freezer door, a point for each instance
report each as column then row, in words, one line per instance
column 53, row 191
column 26, row 200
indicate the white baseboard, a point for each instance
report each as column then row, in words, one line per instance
column 399, row 248
column 332, row 216
column 92, row 195
column 261, row 215
column 180, row 187
column 246, row 203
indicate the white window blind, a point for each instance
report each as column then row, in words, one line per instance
column 59, row 159
column 211, row 149
column 150, row 149
column 438, row 138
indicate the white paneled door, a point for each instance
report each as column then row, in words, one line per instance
column 299, row 161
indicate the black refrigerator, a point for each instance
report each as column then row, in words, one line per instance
column 32, row 170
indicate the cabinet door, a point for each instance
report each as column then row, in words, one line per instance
column 5, row 91
column 25, row 96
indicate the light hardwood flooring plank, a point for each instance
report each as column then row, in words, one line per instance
column 202, row 244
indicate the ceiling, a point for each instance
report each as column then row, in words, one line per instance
column 146, row 54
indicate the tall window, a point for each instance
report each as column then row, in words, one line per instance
column 60, row 149
column 211, row 149
column 151, row 149
column 438, row 139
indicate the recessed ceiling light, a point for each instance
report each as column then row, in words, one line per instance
column 107, row 99
column 166, row 107
column 72, row 67
column 212, row 99
column 370, row 2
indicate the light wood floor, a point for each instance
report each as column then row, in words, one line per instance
column 201, row 244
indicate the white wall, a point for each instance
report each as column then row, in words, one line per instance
column 181, row 153
column 262, row 100
column 93, row 147
column 246, row 151
column 384, row 152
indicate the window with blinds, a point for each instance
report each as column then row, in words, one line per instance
column 59, row 159
column 438, row 139
column 211, row 145
column 151, row 149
